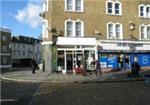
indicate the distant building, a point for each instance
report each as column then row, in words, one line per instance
column 24, row 49
column 5, row 51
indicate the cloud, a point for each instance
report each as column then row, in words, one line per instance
column 30, row 14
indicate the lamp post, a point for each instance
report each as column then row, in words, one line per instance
column 132, row 45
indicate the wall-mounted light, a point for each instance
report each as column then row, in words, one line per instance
column 131, row 25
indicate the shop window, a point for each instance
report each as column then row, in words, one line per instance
column 60, row 60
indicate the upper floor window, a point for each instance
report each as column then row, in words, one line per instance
column 74, row 28
column 4, row 60
column 113, row 8
column 4, row 37
column 4, row 48
column 78, row 29
column 145, row 32
column 144, row 11
column 114, row 31
column 69, row 28
column 44, row 29
column 74, row 5
column 45, row 5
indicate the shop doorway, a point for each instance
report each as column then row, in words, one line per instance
column 69, row 62
column 73, row 60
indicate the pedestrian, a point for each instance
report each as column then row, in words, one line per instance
column 83, row 67
column 43, row 66
column 98, row 68
column 33, row 65
column 135, row 67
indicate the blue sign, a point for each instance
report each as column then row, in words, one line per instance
column 103, row 62
column 144, row 59
column 112, row 62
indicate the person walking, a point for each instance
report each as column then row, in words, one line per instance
column 135, row 67
column 98, row 68
column 33, row 65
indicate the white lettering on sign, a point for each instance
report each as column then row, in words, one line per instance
column 145, row 59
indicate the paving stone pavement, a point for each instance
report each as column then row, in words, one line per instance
column 40, row 76
column 129, row 93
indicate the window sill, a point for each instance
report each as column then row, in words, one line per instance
column 74, row 11
column 113, row 14
column 144, row 17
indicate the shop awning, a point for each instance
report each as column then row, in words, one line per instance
column 75, row 41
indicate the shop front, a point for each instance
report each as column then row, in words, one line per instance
column 119, row 55
column 74, row 52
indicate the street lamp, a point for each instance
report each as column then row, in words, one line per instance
column 132, row 45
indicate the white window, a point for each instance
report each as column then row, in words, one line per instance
column 45, row 5
column 117, row 8
column 142, row 32
column 110, row 8
column 144, row 11
column 4, row 47
column 78, row 5
column 74, row 5
column 4, row 38
column 148, row 11
column 44, row 29
column 110, row 30
column 78, row 29
column 69, row 5
column 145, row 32
column 113, row 7
column 69, row 28
column 148, row 32
column 4, row 60
column 114, row 30
column 118, row 31
column 74, row 28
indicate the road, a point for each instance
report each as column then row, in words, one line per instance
column 118, row 93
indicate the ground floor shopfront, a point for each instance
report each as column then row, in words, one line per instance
column 123, row 60
column 71, row 53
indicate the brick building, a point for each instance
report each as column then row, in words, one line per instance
column 119, row 28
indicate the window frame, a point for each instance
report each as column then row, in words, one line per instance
column 114, row 36
column 74, row 28
column 113, row 8
column 74, row 6
column 145, row 32
column 144, row 12
column 45, row 5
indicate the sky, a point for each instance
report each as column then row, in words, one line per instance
column 21, row 16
